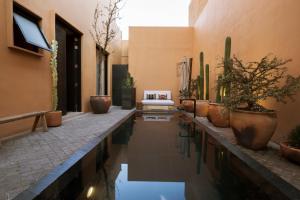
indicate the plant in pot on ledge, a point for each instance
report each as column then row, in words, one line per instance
column 104, row 31
column 54, row 117
column 128, row 93
column 250, row 83
column 218, row 114
column 291, row 149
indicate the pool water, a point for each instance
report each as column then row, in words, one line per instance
column 164, row 157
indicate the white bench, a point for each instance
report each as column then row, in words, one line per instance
column 158, row 103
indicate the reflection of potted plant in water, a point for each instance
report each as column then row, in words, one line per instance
column 103, row 33
column 291, row 149
column 217, row 113
column 54, row 117
column 250, row 83
column 128, row 92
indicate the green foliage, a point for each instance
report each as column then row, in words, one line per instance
column 128, row 81
column 53, row 67
column 294, row 137
column 255, row 81
column 201, row 77
column 207, row 81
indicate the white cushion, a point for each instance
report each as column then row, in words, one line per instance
column 158, row 102
column 158, row 92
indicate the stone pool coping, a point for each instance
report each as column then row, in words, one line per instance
column 284, row 175
column 42, row 157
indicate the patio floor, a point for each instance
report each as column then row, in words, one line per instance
column 26, row 159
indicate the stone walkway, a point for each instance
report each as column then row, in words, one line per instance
column 25, row 160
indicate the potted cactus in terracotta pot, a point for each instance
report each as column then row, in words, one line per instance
column 218, row 114
column 291, row 149
column 203, row 100
column 250, row 83
column 54, row 117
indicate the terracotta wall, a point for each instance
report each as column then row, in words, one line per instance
column 25, row 80
column 153, row 55
column 257, row 28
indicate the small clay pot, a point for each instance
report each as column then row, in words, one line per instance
column 202, row 108
column 289, row 152
column 253, row 129
column 188, row 106
column 54, row 118
column 100, row 104
column 218, row 115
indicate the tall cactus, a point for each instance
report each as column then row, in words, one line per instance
column 219, row 88
column 201, row 77
column 207, row 81
column 227, row 62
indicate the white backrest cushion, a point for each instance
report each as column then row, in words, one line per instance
column 157, row 92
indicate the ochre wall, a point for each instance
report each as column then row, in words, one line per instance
column 257, row 28
column 25, row 81
column 153, row 54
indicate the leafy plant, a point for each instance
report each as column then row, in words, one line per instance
column 255, row 81
column 53, row 67
column 128, row 82
column 294, row 137
column 192, row 93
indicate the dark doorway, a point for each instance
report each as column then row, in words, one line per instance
column 119, row 73
column 68, row 66
column 101, row 71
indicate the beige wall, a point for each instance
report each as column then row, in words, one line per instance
column 153, row 55
column 124, row 60
column 25, row 80
column 257, row 28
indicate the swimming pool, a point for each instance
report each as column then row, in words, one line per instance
column 165, row 157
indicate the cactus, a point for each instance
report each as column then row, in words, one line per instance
column 53, row 67
column 207, row 81
column 227, row 62
column 201, row 78
column 219, row 88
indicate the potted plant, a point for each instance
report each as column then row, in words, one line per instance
column 104, row 32
column 128, row 93
column 202, row 102
column 291, row 149
column 218, row 114
column 54, row 117
column 251, row 83
column 188, row 105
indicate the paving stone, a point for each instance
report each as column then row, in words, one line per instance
column 24, row 160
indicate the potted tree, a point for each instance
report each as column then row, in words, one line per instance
column 104, row 32
column 54, row 117
column 250, row 83
column 191, row 93
column 218, row 114
column 291, row 149
column 128, row 93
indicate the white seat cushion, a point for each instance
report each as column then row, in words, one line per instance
column 158, row 102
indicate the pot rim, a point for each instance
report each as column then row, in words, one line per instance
column 285, row 144
column 202, row 100
column 100, row 96
column 272, row 113
column 54, row 111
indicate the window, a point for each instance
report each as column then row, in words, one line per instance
column 27, row 33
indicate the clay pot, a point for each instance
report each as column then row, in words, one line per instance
column 54, row 118
column 188, row 106
column 202, row 108
column 100, row 104
column 253, row 129
column 218, row 115
column 289, row 152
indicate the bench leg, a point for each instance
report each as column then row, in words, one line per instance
column 36, row 120
column 44, row 122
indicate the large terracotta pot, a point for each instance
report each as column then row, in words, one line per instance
column 289, row 152
column 100, row 104
column 253, row 129
column 202, row 108
column 54, row 118
column 188, row 105
column 218, row 115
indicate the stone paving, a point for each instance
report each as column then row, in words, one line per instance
column 269, row 158
column 25, row 160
